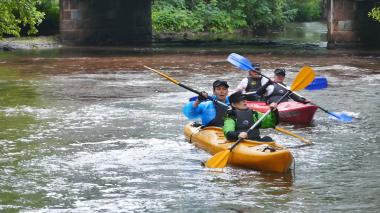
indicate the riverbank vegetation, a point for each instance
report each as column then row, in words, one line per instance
column 16, row 15
column 226, row 16
column 28, row 17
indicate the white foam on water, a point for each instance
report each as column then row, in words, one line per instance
column 97, row 143
column 371, row 78
column 40, row 113
column 111, row 79
column 3, row 142
column 138, row 152
column 336, row 67
column 350, row 113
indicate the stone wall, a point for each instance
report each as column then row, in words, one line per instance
column 105, row 22
column 349, row 24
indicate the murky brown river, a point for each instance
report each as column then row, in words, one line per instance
column 93, row 131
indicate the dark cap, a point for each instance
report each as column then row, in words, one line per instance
column 220, row 83
column 237, row 97
column 256, row 66
column 279, row 72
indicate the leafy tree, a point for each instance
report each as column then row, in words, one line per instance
column 375, row 14
column 15, row 14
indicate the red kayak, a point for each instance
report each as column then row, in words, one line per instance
column 290, row 112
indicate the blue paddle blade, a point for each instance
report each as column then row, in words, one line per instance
column 318, row 83
column 240, row 61
column 340, row 116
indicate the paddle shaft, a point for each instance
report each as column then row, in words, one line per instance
column 293, row 134
column 199, row 93
column 183, row 86
column 325, row 110
column 258, row 122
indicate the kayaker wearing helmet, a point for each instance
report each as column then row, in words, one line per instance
column 254, row 84
column 275, row 91
column 210, row 112
column 241, row 118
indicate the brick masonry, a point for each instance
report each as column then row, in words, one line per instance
column 105, row 22
column 349, row 24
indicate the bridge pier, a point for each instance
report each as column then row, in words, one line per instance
column 100, row 22
column 349, row 24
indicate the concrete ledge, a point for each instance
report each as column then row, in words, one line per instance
column 29, row 43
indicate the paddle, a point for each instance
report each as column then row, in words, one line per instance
column 294, row 135
column 184, row 86
column 303, row 79
column 244, row 64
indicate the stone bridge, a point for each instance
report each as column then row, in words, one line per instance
column 349, row 24
column 119, row 22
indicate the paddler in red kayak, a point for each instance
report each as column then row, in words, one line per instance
column 254, row 84
column 211, row 112
column 241, row 118
column 274, row 92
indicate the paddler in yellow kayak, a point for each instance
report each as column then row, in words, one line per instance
column 240, row 118
column 211, row 112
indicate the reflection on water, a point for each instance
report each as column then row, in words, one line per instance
column 311, row 33
column 305, row 32
column 99, row 133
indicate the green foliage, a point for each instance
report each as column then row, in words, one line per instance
column 160, row 4
column 195, row 16
column 215, row 19
column 309, row 10
column 171, row 19
column 375, row 14
column 229, row 15
column 269, row 13
column 15, row 14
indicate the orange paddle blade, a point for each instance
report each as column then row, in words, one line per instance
column 303, row 79
column 219, row 160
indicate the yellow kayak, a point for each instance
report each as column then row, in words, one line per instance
column 263, row 156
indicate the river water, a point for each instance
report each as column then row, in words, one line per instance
column 91, row 130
